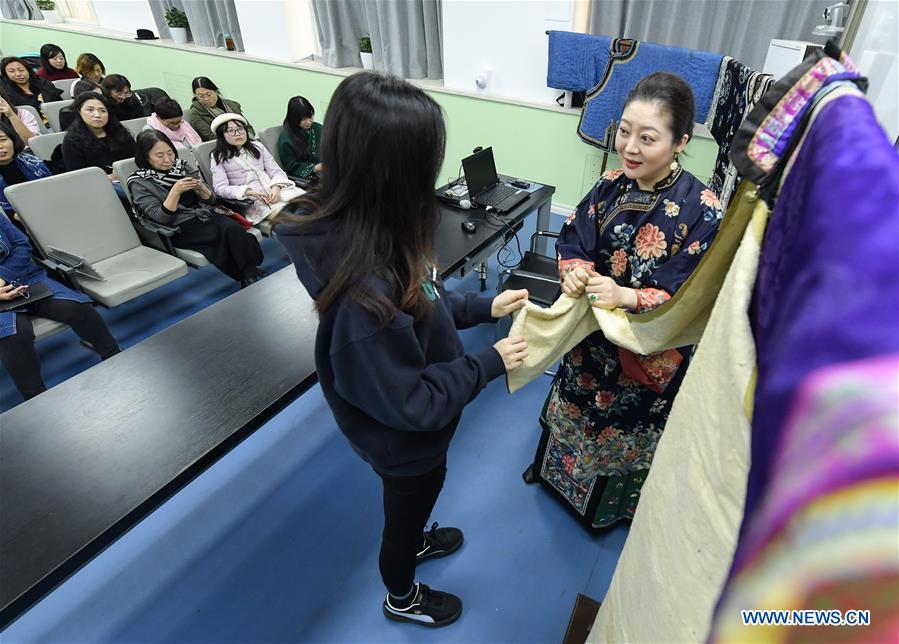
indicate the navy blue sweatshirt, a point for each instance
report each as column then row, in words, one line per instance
column 397, row 392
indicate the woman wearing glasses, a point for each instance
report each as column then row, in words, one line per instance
column 125, row 104
column 243, row 169
column 168, row 190
column 207, row 104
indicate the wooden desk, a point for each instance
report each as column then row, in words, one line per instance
column 84, row 461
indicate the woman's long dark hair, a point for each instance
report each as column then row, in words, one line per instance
column 48, row 51
column 382, row 147
column 82, row 135
column 33, row 81
column 298, row 109
column 224, row 150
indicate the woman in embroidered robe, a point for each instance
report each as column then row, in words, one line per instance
column 631, row 243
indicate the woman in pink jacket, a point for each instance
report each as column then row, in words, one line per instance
column 242, row 169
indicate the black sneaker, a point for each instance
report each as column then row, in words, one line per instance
column 429, row 608
column 439, row 542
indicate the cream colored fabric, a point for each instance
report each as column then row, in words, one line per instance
column 679, row 322
column 684, row 533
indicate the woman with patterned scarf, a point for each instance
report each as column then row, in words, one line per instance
column 166, row 190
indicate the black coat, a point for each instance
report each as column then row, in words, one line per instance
column 44, row 92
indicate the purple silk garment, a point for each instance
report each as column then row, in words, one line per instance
column 827, row 289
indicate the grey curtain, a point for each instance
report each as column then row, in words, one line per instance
column 405, row 34
column 741, row 29
column 20, row 10
column 209, row 20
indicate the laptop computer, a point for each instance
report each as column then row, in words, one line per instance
column 484, row 186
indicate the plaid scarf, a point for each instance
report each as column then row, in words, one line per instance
column 165, row 179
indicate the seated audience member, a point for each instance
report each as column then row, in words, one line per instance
column 54, row 66
column 16, row 165
column 22, row 121
column 125, row 104
column 300, row 140
column 24, row 88
column 207, row 104
column 168, row 191
column 96, row 138
column 168, row 118
column 91, row 70
column 242, row 168
column 67, row 115
column 18, row 275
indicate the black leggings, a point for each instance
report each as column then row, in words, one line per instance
column 17, row 352
column 408, row 501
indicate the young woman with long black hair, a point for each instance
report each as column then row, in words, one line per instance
column 299, row 144
column 389, row 359
column 96, row 138
column 54, row 66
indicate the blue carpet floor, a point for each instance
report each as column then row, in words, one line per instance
column 278, row 541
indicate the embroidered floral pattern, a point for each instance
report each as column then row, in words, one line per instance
column 695, row 248
column 650, row 242
column 710, row 199
column 649, row 298
column 618, row 263
column 568, row 265
column 602, row 422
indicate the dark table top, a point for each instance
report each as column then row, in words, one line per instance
column 455, row 247
column 78, row 468
column 89, row 458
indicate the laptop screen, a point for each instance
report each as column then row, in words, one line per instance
column 480, row 171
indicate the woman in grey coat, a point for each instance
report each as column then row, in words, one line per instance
column 167, row 190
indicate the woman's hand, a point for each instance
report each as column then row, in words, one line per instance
column 508, row 302
column 203, row 191
column 9, row 292
column 574, row 282
column 604, row 293
column 317, row 168
column 183, row 185
column 513, row 351
column 274, row 195
column 5, row 108
column 112, row 178
column 252, row 194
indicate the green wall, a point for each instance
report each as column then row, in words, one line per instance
column 538, row 144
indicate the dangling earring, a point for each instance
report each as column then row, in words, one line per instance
column 673, row 165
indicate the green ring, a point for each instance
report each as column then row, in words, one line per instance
column 592, row 297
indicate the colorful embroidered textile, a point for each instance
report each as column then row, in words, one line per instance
column 824, row 536
column 678, row 322
column 773, row 127
column 831, row 254
column 629, row 61
column 682, row 538
column 576, row 61
column 738, row 89
column 599, row 420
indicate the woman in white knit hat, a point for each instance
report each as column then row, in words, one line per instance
column 242, row 169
